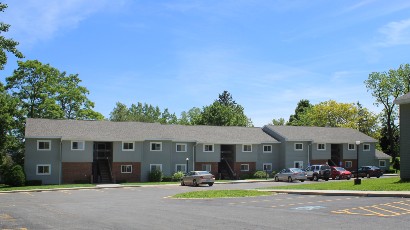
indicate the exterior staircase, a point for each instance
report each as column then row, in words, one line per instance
column 104, row 172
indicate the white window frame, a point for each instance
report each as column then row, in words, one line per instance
column 348, row 163
column 127, row 142
column 267, row 164
column 244, row 148
column 296, row 144
column 156, row 143
column 206, row 166
column 43, row 165
column 321, row 149
column 79, row 149
column 213, row 148
column 160, row 167
column 300, row 164
column 126, row 167
column 269, row 146
column 246, row 169
column 181, row 151
column 46, row 141
column 183, row 166
column 351, row 149
column 382, row 165
column 364, row 149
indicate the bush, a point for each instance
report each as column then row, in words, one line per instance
column 166, row 179
column 177, row 176
column 15, row 176
column 396, row 164
column 245, row 176
column 260, row 174
column 155, row 176
column 34, row 182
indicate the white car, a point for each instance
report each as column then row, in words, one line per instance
column 196, row 178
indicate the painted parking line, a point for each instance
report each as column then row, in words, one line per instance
column 8, row 222
column 397, row 208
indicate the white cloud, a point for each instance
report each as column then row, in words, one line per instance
column 39, row 20
column 395, row 33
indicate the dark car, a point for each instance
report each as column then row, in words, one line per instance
column 338, row 173
column 369, row 171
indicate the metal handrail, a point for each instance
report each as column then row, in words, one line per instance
column 230, row 169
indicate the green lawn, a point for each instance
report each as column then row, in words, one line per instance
column 221, row 194
column 373, row 184
column 8, row 188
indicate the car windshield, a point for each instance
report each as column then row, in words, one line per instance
column 202, row 172
column 340, row 169
column 296, row 170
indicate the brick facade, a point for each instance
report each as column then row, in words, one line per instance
column 134, row 176
column 241, row 174
column 76, row 172
column 214, row 166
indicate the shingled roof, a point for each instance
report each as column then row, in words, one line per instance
column 405, row 99
column 333, row 135
column 139, row 131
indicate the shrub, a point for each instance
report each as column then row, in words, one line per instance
column 177, row 176
column 396, row 164
column 167, row 178
column 155, row 176
column 260, row 174
column 34, row 182
column 15, row 176
column 245, row 176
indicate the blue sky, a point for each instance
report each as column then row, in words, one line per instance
column 182, row 54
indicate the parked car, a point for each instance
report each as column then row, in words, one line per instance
column 369, row 171
column 196, row 178
column 316, row 172
column 291, row 174
column 338, row 173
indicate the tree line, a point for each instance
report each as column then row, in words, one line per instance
column 38, row 90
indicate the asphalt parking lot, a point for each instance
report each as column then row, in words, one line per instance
column 152, row 207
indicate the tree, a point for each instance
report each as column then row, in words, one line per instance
column 278, row 122
column 192, row 117
column 385, row 87
column 224, row 112
column 7, row 44
column 45, row 92
column 302, row 106
column 119, row 113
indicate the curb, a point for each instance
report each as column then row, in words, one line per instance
column 341, row 193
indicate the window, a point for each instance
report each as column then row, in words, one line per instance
column 180, row 168
column 181, row 147
column 246, row 148
column 267, row 148
column 126, row 168
column 77, row 145
column 351, row 146
column 153, row 167
column 382, row 163
column 267, row 166
column 321, row 147
column 156, row 146
column 348, row 164
column 208, row 148
column 244, row 167
column 43, row 145
column 366, row 147
column 44, row 169
column 127, row 146
column 298, row 164
column 298, row 146
column 206, row 167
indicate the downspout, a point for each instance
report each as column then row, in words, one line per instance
column 193, row 156
column 308, row 157
column 61, row 162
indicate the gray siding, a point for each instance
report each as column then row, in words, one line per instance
column 69, row 155
column 367, row 157
column 201, row 156
column 320, row 154
column 34, row 157
column 405, row 141
column 272, row 157
column 349, row 154
column 247, row 156
column 127, row 156
column 180, row 157
column 162, row 157
column 292, row 155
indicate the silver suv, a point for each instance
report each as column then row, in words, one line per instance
column 316, row 172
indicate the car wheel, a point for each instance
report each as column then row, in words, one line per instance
column 276, row 179
column 302, row 180
column 194, row 183
column 348, row 178
column 368, row 175
column 327, row 178
column 378, row 176
column 210, row 184
column 182, row 183
column 310, row 179
column 315, row 178
column 337, row 178
column 290, row 179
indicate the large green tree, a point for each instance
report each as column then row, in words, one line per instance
column 192, row 117
column 142, row 113
column 7, row 45
column 302, row 106
column 224, row 112
column 45, row 92
column 385, row 87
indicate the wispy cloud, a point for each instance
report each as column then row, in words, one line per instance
column 40, row 20
column 395, row 33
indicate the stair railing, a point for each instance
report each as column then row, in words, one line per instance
column 230, row 169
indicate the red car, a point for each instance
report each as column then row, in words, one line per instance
column 337, row 173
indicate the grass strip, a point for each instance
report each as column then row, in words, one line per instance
column 209, row 194
column 372, row 184
column 8, row 188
